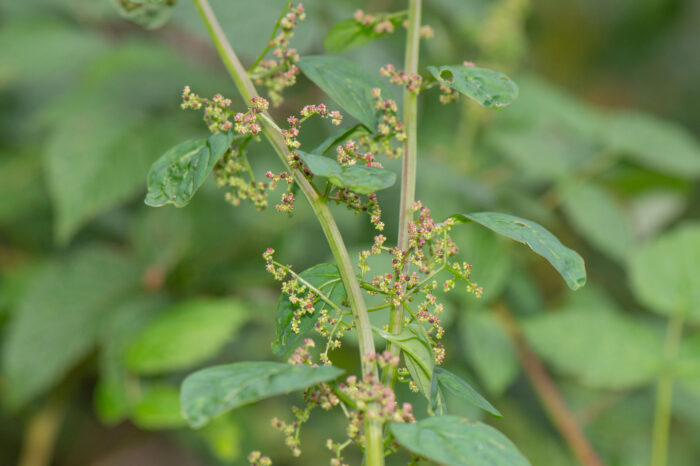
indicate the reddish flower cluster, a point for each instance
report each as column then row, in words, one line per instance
column 256, row 458
column 247, row 122
column 216, row 112
column 412, row 81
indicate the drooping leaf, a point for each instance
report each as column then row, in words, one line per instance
column 417, row 353
column 660, row 145
column 453, row 441
column 150, row 14
column 158, row 408
column 325, row 278
column 58, row 319
column 600, row 219
column 184, row 335
column 350, row 33
column 346, row 83
column 598, row 345
column 358, row 178
column 457, row 386
column 489, row 350
column 216, row 390
column 664, row 273
column 567, row 262
column 178, row 174
column 491, row 89
column 339, row 137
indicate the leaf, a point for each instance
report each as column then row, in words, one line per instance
column 346, row 83
column 660, row 145
column 453, row 441
column 491, row 89
column 417, row 353
column 185, row 335
column 150, row 14
column 596, row 215
column 664, row 273
column 489, row 350
column 213, row 391
column 357, row 178
column 599, row 346
column 57, row 320
column 324, row 277
column 178, row 174
column 350, row 33
column 567, row 262
column 462, row 389
column 158, row 408
column 339, row 137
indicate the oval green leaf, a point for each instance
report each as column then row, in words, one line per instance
column 178, row 174
column 216, row 390
column 457, row 386
column 567, row 261
column 357, row 178
column 491, row 89
column 346, row 83
column 453, row 441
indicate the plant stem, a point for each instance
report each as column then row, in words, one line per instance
column 41, row 432
column 410, row 156
column 373, row 429
column 664, row 392
column 549, row 395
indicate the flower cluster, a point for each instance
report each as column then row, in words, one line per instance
column 256, row 458
column 247, row 123
column 233, row 171
column 280, row 72
column 216, row 112
column 389, row 126
column 386, row 24
column 354, row 202
column 412, row 81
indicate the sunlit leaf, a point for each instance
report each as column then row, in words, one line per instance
column 453, row 441
column 491, row 89
column 216, row 390
column 358, row 178
column 567, row 262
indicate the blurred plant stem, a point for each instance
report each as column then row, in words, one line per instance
column 410, row 156
column 374, row 450
column 546, row 390
column 664, row 391
column 41, row 431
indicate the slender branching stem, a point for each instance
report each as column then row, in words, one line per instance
column 408, row 172
column 374, row 451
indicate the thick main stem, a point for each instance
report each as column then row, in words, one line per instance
column 410, row 156
column 374, row 451
column 664, row 391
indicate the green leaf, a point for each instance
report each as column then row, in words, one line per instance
column 346, row 83
column 178, row 174
column 350, row 33
column 150, row 14
column 357, row 178
column 660, row 145
column 664, row 273
column 417, row 353
column 599, row 346
column 216, row 390
column 58, row 319
column 567, row 262
column 184, row 335
column 489, row 350
column 158, row 408
column 339, row 137
column 324, row 277
column 453, row 441
column 457, row 386
column 491, row 89
column 597, row 215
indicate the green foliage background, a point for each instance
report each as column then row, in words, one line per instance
column 106, row 304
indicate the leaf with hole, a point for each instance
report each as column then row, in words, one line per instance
column 357, row 178
column 453, row 441
column 178, row 174
column 219, row 389
column 347, row 84
column 491, row 89
column 566, row 261
column 325, row 278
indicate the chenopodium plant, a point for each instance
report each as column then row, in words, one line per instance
column 326, row 302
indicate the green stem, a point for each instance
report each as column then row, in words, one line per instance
column 373, row 429
column 272, row 37
column 664, row 391
column 410, row 156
